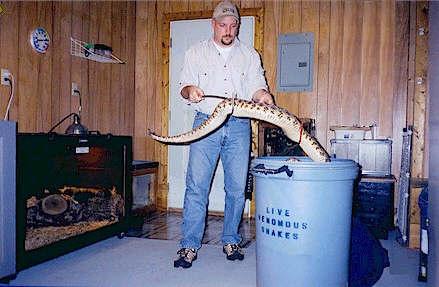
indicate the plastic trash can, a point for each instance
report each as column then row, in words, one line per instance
column 303, row 221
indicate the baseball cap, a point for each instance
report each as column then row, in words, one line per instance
column 225, row 8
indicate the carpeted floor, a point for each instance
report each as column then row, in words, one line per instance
column 140, row 262
column 403, row 270
column 148, row 262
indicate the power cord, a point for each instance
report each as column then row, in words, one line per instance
column 11, row 96
column 80, row 101
column 71, row 114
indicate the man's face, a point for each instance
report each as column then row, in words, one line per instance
column 225, row 30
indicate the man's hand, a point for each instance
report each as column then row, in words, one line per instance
column 263, row 97
column 192, row 93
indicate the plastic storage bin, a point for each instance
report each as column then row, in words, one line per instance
column 303, row 221
column 144, row 186
column 374, row 156
column 346, row 132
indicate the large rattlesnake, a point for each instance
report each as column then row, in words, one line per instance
column 290, row 125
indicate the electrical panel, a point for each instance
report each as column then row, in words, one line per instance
column 295, row 62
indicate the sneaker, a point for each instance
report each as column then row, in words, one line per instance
column 185, row 257
column 233, row 252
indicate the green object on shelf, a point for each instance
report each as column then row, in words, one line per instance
column 89, row 47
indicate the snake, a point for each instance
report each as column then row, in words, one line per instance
column 290, row 125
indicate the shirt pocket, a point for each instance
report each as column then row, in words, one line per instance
column 240, row 81
column 242, row 76
column 205, row 77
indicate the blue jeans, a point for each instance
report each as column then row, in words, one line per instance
column 231, row 143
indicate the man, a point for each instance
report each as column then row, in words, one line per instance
column 221, row 66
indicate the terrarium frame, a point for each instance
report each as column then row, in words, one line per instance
column 71, row 191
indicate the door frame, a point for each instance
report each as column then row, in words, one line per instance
column 258, row 14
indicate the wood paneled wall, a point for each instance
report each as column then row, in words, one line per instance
column 43, row 81
column 366, row 63
column 361, row 65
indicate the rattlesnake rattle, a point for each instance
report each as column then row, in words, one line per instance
column 290, row 124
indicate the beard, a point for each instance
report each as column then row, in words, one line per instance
column 227, row 40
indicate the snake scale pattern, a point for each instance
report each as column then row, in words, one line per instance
column 290, row 125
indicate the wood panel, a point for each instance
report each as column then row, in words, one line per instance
column 9, row 39
column 270, row 46
column 322, row 78
column 197, row 5
column 370, row 61
column 310, row 23
column 351, row 69
column 76, row 63
column 62, row 59
column 43, row 114
column 336, row 57
column 87, row 108
column 364, row 52
column 93, row 95
column 141, row 104
column 420, row 92
column 358, row 76
column 411, row 62
column 116, row 105
column 27, row 80
column 43, row 81
column 103, row 82
column 164, row 32
column 419, row 163
column 386, row 72
column 292, row 23
column 209, row 5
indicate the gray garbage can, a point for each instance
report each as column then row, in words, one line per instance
column 303, row 221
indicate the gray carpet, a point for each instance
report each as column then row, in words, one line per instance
column 148, row 262
column 403, row 270
column 140, row 262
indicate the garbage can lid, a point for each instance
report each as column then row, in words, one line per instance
column 303, row 168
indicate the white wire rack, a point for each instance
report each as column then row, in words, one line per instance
column 77, row 48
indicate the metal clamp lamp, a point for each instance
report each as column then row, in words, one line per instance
column 76, row 128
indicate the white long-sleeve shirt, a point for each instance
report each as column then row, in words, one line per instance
column 240, row 74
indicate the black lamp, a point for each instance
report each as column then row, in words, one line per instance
column 76, row 128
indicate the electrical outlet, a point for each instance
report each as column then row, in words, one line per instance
column 5, row 74
column 75, row 89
